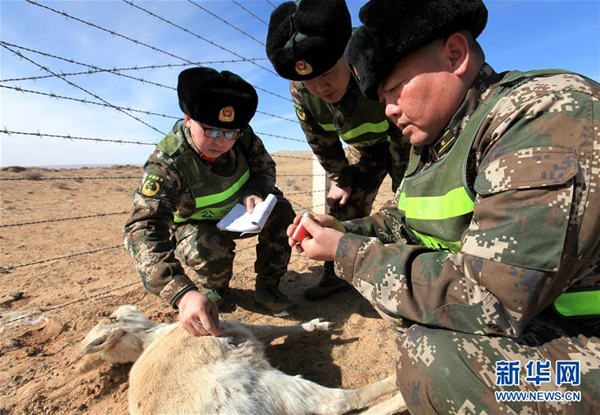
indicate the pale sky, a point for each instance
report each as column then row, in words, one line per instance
column 522, row 35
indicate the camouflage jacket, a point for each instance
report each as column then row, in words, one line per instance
column 148, row 230
column 531, row 236
column 327, row 145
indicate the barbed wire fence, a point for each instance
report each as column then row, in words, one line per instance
column 25, row 53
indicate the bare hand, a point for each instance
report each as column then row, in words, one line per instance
column 251, row 201
column 198, row 314
column 323, row 238
column 338, row 193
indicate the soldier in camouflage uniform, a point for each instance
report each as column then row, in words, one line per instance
column 209, row 162
column 492, row 256
column 305, row 44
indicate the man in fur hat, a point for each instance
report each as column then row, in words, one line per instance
column 492, row 255
column 305, row 44
column 208, row 163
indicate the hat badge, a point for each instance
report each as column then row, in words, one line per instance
column 356, row 72
column 227, row 114
column 303, row 68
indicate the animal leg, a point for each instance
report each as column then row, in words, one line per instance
column 301, row 396
column 359, row 398
column 391, row 406
column 267, row 333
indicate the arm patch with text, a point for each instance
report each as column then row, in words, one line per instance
column 152, row 185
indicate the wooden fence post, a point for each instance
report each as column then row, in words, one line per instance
column 321, row 186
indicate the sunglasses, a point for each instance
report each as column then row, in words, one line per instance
column 216, row 133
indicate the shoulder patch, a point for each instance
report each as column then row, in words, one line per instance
column 152, row 184
column 300, row 113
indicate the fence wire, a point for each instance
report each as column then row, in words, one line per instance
column 72, row 137
column 81, row 300
column 137, row 42
column 249, row 12
column 85, row 101
column 98, row 215
column 280, row 136
column 227, row 23
column 133, row 68
column 5, row 270
column 194, row 34
column 116, row 71
column 121, row 141
column 291, row 157
column 19, row 54
column 81, row 178
column 111, row 32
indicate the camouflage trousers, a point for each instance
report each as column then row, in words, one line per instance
column 447, row 372
column 210, row 252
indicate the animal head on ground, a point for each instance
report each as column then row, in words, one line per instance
column 118, row 338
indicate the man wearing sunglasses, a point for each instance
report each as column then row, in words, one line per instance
column 305, row 44
column 209, row 162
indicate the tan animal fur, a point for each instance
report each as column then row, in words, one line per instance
column 175, row 372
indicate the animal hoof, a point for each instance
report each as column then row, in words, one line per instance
column 318, row 324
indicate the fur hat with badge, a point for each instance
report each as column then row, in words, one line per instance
column 306, row 38
column 394, row 28
column 219, row 99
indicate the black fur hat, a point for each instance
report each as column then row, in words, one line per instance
column 394, row 28
column 308, row 37
column 220, row 99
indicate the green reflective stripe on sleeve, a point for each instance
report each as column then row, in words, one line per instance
column 578, row 304
column 208, row 213
column 220, row 197
column 453, row 204
column 364, row 128
column 436, row 243
column 367, row 127
column 328, row 127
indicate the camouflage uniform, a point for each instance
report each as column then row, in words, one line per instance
column 534, row 168
column 158, row 244
column 365, row 167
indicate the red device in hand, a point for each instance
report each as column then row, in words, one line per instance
column 300, row 233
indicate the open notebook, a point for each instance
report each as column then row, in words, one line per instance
column 239, row 220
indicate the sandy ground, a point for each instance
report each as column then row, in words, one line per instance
column 47, row 307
